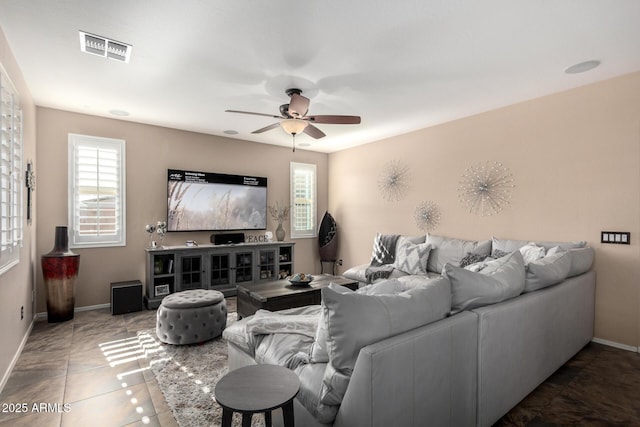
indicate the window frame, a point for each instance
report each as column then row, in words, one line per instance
column 96, row 241
column 312, row 230
column 12, row 150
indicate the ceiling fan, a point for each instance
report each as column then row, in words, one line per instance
column 294, row 118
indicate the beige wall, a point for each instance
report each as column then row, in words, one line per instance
column 150, row 151
column 575, row 157
column 16, row 285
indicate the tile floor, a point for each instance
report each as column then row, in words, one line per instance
column 66, row 364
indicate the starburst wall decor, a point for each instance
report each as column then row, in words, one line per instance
column 485, row 188
column 427, row 216
column 394, row 181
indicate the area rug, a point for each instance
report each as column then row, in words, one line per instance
column 187, row 376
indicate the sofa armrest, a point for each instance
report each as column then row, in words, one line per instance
column 428, row 373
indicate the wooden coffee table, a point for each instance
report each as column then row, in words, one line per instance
column 280, row 294
column 257, row 389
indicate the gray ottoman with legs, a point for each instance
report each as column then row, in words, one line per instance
column 192, row 316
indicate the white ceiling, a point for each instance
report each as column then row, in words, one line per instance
column 401, row 65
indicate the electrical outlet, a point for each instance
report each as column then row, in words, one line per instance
column 339, row 262
column 22, row 312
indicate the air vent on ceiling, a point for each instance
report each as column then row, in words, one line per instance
column 104, row 47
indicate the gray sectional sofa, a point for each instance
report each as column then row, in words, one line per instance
column 457, row 335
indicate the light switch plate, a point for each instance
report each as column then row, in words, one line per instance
column 615, row 237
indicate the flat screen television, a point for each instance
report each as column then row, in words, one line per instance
column 205, row 201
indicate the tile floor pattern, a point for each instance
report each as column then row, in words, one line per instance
column 66, row 364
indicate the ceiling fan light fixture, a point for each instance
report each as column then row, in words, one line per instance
column 293, row 126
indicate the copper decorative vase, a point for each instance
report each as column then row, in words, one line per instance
column 60, row 269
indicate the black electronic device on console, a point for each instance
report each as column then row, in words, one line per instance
column 227, row 238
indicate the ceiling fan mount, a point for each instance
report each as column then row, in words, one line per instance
column 293, row 90
column 295, row 113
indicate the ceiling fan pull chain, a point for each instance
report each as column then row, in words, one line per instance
column 294, row 142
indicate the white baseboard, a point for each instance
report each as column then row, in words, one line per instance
column 616, row 345
column 7, row 374
column 41, row 316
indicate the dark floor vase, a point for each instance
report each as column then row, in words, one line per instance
column 60, row 269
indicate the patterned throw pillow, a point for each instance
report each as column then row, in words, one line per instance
column 497, row 253
column 384, row 249
column 472, row 258
column 412, row 258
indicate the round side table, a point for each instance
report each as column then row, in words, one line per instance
column 255, row 389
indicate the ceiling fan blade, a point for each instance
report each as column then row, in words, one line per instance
column 254, row 114
column 266, row 128
column 298, row 106
column 314, row 132
column 336, row 120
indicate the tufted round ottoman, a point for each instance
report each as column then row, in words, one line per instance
column 192, row 316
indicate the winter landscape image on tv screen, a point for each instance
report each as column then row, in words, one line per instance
column 199, row 201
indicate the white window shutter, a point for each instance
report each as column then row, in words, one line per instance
column 11, row 178
column 303, row 200
column 96, row 191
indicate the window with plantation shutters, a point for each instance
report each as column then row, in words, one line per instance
column 96, row 191
column 303, row 200
column 11, row 178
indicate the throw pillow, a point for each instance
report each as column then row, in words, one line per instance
column 497, row 253
column 450, row 250
column 581, row 260
column 355, row 320
column 547, row 271
column 318, row 351
column 384, row 249
column 412, row 258
column 386, row 287
column 502, row 281
column 472, row 259
column 531, row 253
column 563, row 245
column 509, row 245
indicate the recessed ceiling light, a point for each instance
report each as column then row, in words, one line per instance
column 102, row 46
column 231, row 132
column 582, row 67
column 119, row 112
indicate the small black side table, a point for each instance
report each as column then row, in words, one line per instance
column 258, row 388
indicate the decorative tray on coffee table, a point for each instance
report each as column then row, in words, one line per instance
column 300, row 279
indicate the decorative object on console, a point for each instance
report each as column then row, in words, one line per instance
column 150, row 228
column 280, row 213
column 60, row 270
column 161, row 229
column 328, row 240
column 485, row 188
column 427, row 216
column 394, row 180
column 30, row 182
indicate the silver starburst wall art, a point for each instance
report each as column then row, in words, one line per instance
column 427, row 216
column 485, row 188
column 393, row 181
